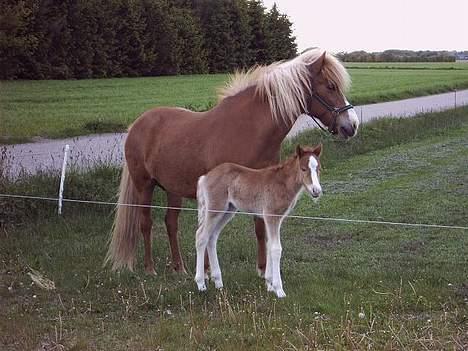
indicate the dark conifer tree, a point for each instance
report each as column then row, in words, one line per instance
column 281, row 43
column 60, row 39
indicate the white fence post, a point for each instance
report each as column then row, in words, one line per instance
column 62, row 178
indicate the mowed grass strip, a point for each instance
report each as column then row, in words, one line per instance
column 68, row 108
column 349, row 286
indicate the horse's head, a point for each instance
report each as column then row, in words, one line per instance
column 327, row 102
column 309, row 163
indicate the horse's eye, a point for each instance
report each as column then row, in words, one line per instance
column 331, row 87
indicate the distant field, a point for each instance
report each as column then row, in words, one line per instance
column 409, row 65
column 68, row 108
column 349, row 286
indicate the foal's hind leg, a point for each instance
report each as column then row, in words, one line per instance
column 172, row 216
column 203, row 236
column 211, row 249
column 261, row 246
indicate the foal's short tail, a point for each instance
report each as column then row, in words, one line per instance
column 126, row 228
column 201, row 201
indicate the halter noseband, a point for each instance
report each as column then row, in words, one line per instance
column 334, row 110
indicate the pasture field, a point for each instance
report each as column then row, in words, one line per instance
column 56, row 109
column 348, row 286
column 409, row 65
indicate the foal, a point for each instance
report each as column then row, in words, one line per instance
column 270, row 193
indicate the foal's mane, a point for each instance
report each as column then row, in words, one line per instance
column 285, row 85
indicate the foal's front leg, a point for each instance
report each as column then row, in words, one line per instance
column 273, row 270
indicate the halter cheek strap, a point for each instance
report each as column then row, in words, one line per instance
column 334, row 110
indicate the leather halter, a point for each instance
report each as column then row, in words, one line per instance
column 335, row 111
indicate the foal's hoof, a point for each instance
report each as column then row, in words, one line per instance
column 280, row 293
column 218, row 283
column 201, row 286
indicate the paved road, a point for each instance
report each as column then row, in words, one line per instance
column 89, row 150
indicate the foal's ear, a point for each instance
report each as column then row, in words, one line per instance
column 317, row 150
column 316, row 66
column 299, row 151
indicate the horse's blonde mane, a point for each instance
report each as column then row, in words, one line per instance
column 287, row 84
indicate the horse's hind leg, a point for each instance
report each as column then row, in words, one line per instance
column 261, row 246
column 172, row 216
column 146, row 222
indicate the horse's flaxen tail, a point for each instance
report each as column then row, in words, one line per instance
column 126, row 228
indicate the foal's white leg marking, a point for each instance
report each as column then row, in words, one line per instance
column 201, row 243
column 268, row 270
column 315, row 188
column 216, row 275
column 274, row 247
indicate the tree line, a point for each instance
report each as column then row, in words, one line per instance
column 66, row 39
column 398, row 56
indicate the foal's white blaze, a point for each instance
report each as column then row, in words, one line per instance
column 315, row 189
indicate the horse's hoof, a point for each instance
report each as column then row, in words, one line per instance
column 150, row 271
column 261, row 272
column 180, row 269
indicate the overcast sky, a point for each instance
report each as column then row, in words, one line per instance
column 376, row 25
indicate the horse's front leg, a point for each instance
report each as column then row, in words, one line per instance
column 261, row 246
column 172, row 225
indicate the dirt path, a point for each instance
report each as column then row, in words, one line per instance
column 89, row 150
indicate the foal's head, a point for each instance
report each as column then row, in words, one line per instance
column 309, row 163
column 329, row 81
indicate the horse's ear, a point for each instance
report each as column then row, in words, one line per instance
column 316, row 66
column 299, row 151
column 317, row 150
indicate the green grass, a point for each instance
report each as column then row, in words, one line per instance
column 68, row 108
column 411, row 284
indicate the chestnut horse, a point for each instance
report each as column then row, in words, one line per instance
column 172, row 147
column 270, row 192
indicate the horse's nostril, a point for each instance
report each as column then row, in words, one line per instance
column 347, row 130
